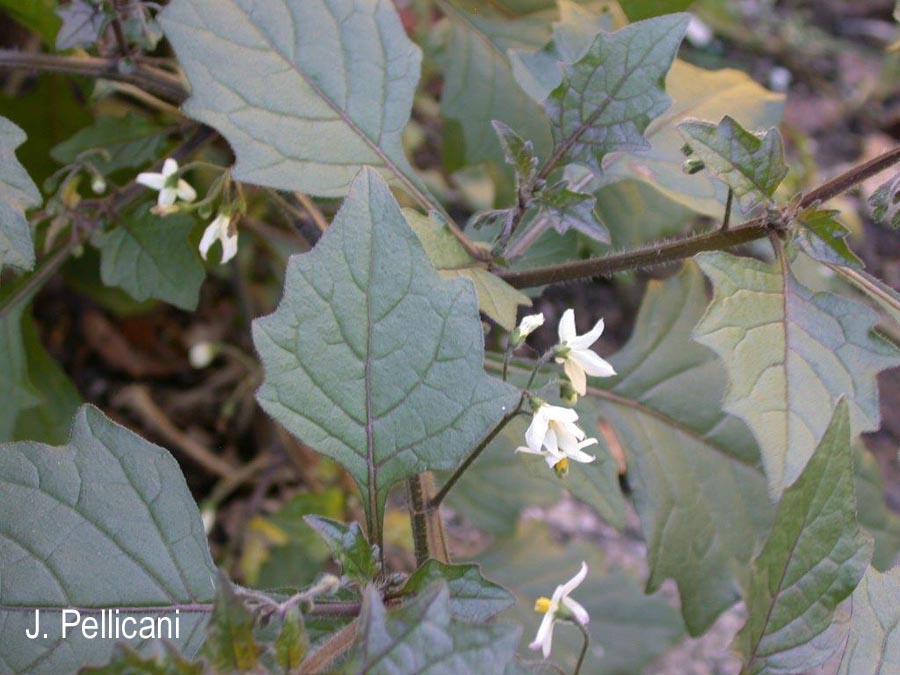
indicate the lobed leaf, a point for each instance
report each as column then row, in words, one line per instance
column 608, row 98
column 752, row 165
column 374, row 360
column 230, row 646
column 17, row 193
column 885, row 203
column 823, row 237
column 813, row 559
column 315, row 89
column 472, row 597
column 424, row 637
column 790, row 354
column 693, row 467
column 105, row 521
column 349, row 546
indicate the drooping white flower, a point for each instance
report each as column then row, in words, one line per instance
column 168, row 183
column 560, row 606
column 526, row 327
column 554, row 435
column 574, row 351
column 220, row 229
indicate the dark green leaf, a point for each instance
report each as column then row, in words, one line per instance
column 874, row 640
column 83, row 22
column 36, row 15
column 130, row 141
column 472, row 597
column 230, row 646
column 568, row 209
column 313, row 91
column 823, row 237
column 813, row 559
column 105, row 521
column 386, row 373
column 752, row 165
column 423, row 637
column 292, row 642
column 693, row 467
column 357, row 560
column 885, row 203
column 17, row 389
column 609, row 97
column 150, row 256
column 126, row 661
column 17, row 193
column 645, row 9
column 790, row 353
column 518, row 153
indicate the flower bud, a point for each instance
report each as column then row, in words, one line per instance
column 202, row 354
column 567, row 393
column 98, row 185
column 525, row 328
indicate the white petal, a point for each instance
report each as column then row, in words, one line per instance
column 579, row 456
column 185, row 191
column 589, row 338
column 575, row 581
column 544, row 636
column 210, row 234
column 591, row 363
column 166, row 197
column 551, row 443
column 576, row 376
column 557, row 413
column 576, row 609
column 537, row 430
column 526, row 449
column 170, row 166
column 530, row 323
column 567, row 326
column 229, row 247
column 154, row 181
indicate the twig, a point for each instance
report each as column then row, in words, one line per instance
column 334, row 646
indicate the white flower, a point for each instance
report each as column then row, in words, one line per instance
column 554, row 435
column 560, row 606
column 574, row 351
column 220, row 228
column 202, row 354
column 169, row 185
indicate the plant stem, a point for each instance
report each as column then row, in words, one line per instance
column 155, row 80
column 429, row 540
column 748, row 231
column 586, row 641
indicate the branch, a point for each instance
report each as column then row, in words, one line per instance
column 750, row 230
column 158, row 81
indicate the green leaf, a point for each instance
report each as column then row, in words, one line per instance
column 423, row 637
column 105, row 521
column 349, row 546
column 313, row 90
column 131, row 141
column 292, row 642
column 693, row 467
column 885, row 203
column 631, row 628
column 823, row 237
column 472, row 597
column 83, row 22
column 609, row 97
column 149, row 256
column 17, row 193
column 752, row 165
column 496, row 298
column 872, row 646
column 230, row 646
column 518, row 153
column 874, row 515
column 645, row 9
column 36, row 15
column 126, row 661
column 385, row 376
column 813, row 559
column 479, row 85
column 790, row 354
column 568, row 209
column 874, row 289
column 17, row 389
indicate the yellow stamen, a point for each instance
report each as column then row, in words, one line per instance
column 542, row 605
column 561, row 468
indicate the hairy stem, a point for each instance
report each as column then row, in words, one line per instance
column 429, row 539
column 162, row 83
column 685, row 247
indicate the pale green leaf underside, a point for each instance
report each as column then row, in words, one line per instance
column 496, row 298
column 873, row 645
column 692, row 466
column 17, row 193
column 813, row 559
column 373, row 359
column 105, row 521
column 313, row 90
column 479, row 85
column 751, row 165
column 151, row 257
column 423, row 637
column 608, row 98
column 790, row 353
column 472, row 597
